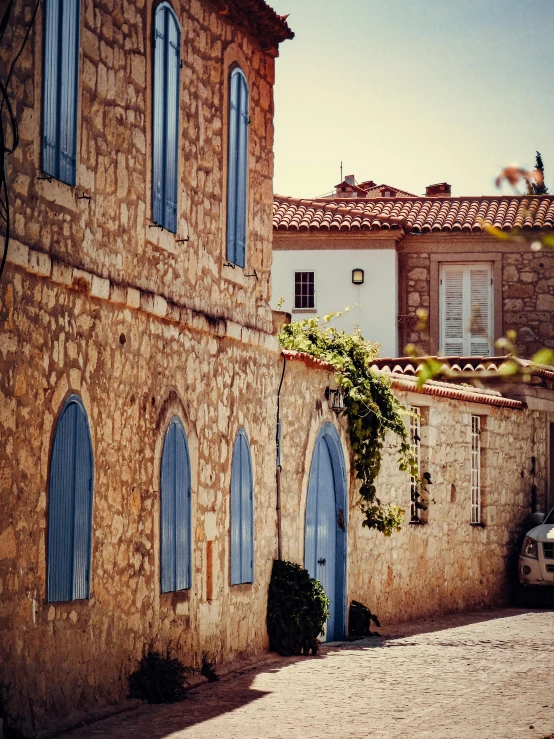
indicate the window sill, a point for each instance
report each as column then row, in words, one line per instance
column 304, row 310
column 480, row 525
column 234, row 274
column 417, row 523
column 165, row 240
column 58, row 192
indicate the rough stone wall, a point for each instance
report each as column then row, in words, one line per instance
column 110, row 234
column 447, row 564
column 444, row 564
column 134, row 372
column 528, row 299
column 527, row 291
column 415, row 277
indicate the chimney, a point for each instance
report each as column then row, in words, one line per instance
column 440, row 190
column 350, row 179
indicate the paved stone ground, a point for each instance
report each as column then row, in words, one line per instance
column 487, row 675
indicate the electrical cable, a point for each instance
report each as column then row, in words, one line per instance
column 10, row 126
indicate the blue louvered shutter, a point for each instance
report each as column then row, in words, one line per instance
column 247, row 534
column 236, row 523
column 175, row 514
column 242, row 513
column 165, row 140
column 242, row 171
column 61, row 89
column 70, row 506
column 182, row 511
column 237, row 173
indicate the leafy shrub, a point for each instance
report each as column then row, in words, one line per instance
column 208, row 669
column 359, row 623
column 159, row 678
column 297, row 609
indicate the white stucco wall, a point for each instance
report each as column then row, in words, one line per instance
column 376, row 300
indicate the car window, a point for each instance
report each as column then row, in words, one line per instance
column 550, row 517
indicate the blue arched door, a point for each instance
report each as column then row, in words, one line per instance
column 325, row 533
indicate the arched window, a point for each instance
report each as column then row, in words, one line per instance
column 237, row 173
column 175, row 516
column 165, row 135
column 70, row 506
column 60, row 89
column 242, row 512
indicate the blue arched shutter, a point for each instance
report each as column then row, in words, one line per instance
column 70, row 506
column 242, row 513
column 165, row 140
column 237, row 174
column 175, row 514
column 60, row 89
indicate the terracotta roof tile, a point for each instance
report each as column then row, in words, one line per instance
column 416, row 214
column 258, row 18
column 408, row 366
column 401, row 379
column 454, row 392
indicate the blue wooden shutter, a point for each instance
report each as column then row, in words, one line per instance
column 242, row 172
column 70, row 506
column 61, row 89
column 165, row 139
column 232, row 168
column 242, row 513
column 310, row 536
column 175, row 514
column 182, row 511
column 247, row 518
column 237, row 173
column 236, row 522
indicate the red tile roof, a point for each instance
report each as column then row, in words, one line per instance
column 409, row 366
column 431, row 387
column 416, row 215
column 258, row 18
column 454, row 392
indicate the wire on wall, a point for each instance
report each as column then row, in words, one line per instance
column 9, row 131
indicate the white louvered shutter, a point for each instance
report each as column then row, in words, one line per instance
column 452, row 309
column 466, row 310
column 480, row 299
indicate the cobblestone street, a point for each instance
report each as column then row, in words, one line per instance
column 486, row 675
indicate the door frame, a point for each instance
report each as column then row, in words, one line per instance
column 329, row 435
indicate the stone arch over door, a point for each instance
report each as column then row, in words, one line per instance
column 325, row 533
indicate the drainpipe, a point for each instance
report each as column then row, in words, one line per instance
column 278, row 462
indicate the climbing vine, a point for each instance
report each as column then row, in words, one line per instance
column 369, row 404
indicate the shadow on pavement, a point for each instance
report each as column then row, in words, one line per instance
column 207, row 701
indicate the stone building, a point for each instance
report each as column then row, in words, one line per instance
column 391, row 254
column 140, row 377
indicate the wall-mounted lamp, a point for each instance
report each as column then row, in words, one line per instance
column 335, row 399
column 358, row 276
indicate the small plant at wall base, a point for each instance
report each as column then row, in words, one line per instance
column 159, row 678
column 297, row 609
column 369, row 404
column 360, row 619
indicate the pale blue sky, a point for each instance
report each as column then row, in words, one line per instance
column 413, row 92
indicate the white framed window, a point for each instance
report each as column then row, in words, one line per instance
column 415, row 443
column 304, row 290
column 476, row 469
column 466, row 309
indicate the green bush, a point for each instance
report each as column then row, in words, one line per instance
column 159, row 678
column 359, row 623
column 297, row 609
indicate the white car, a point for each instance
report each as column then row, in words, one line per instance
column 536, row 560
